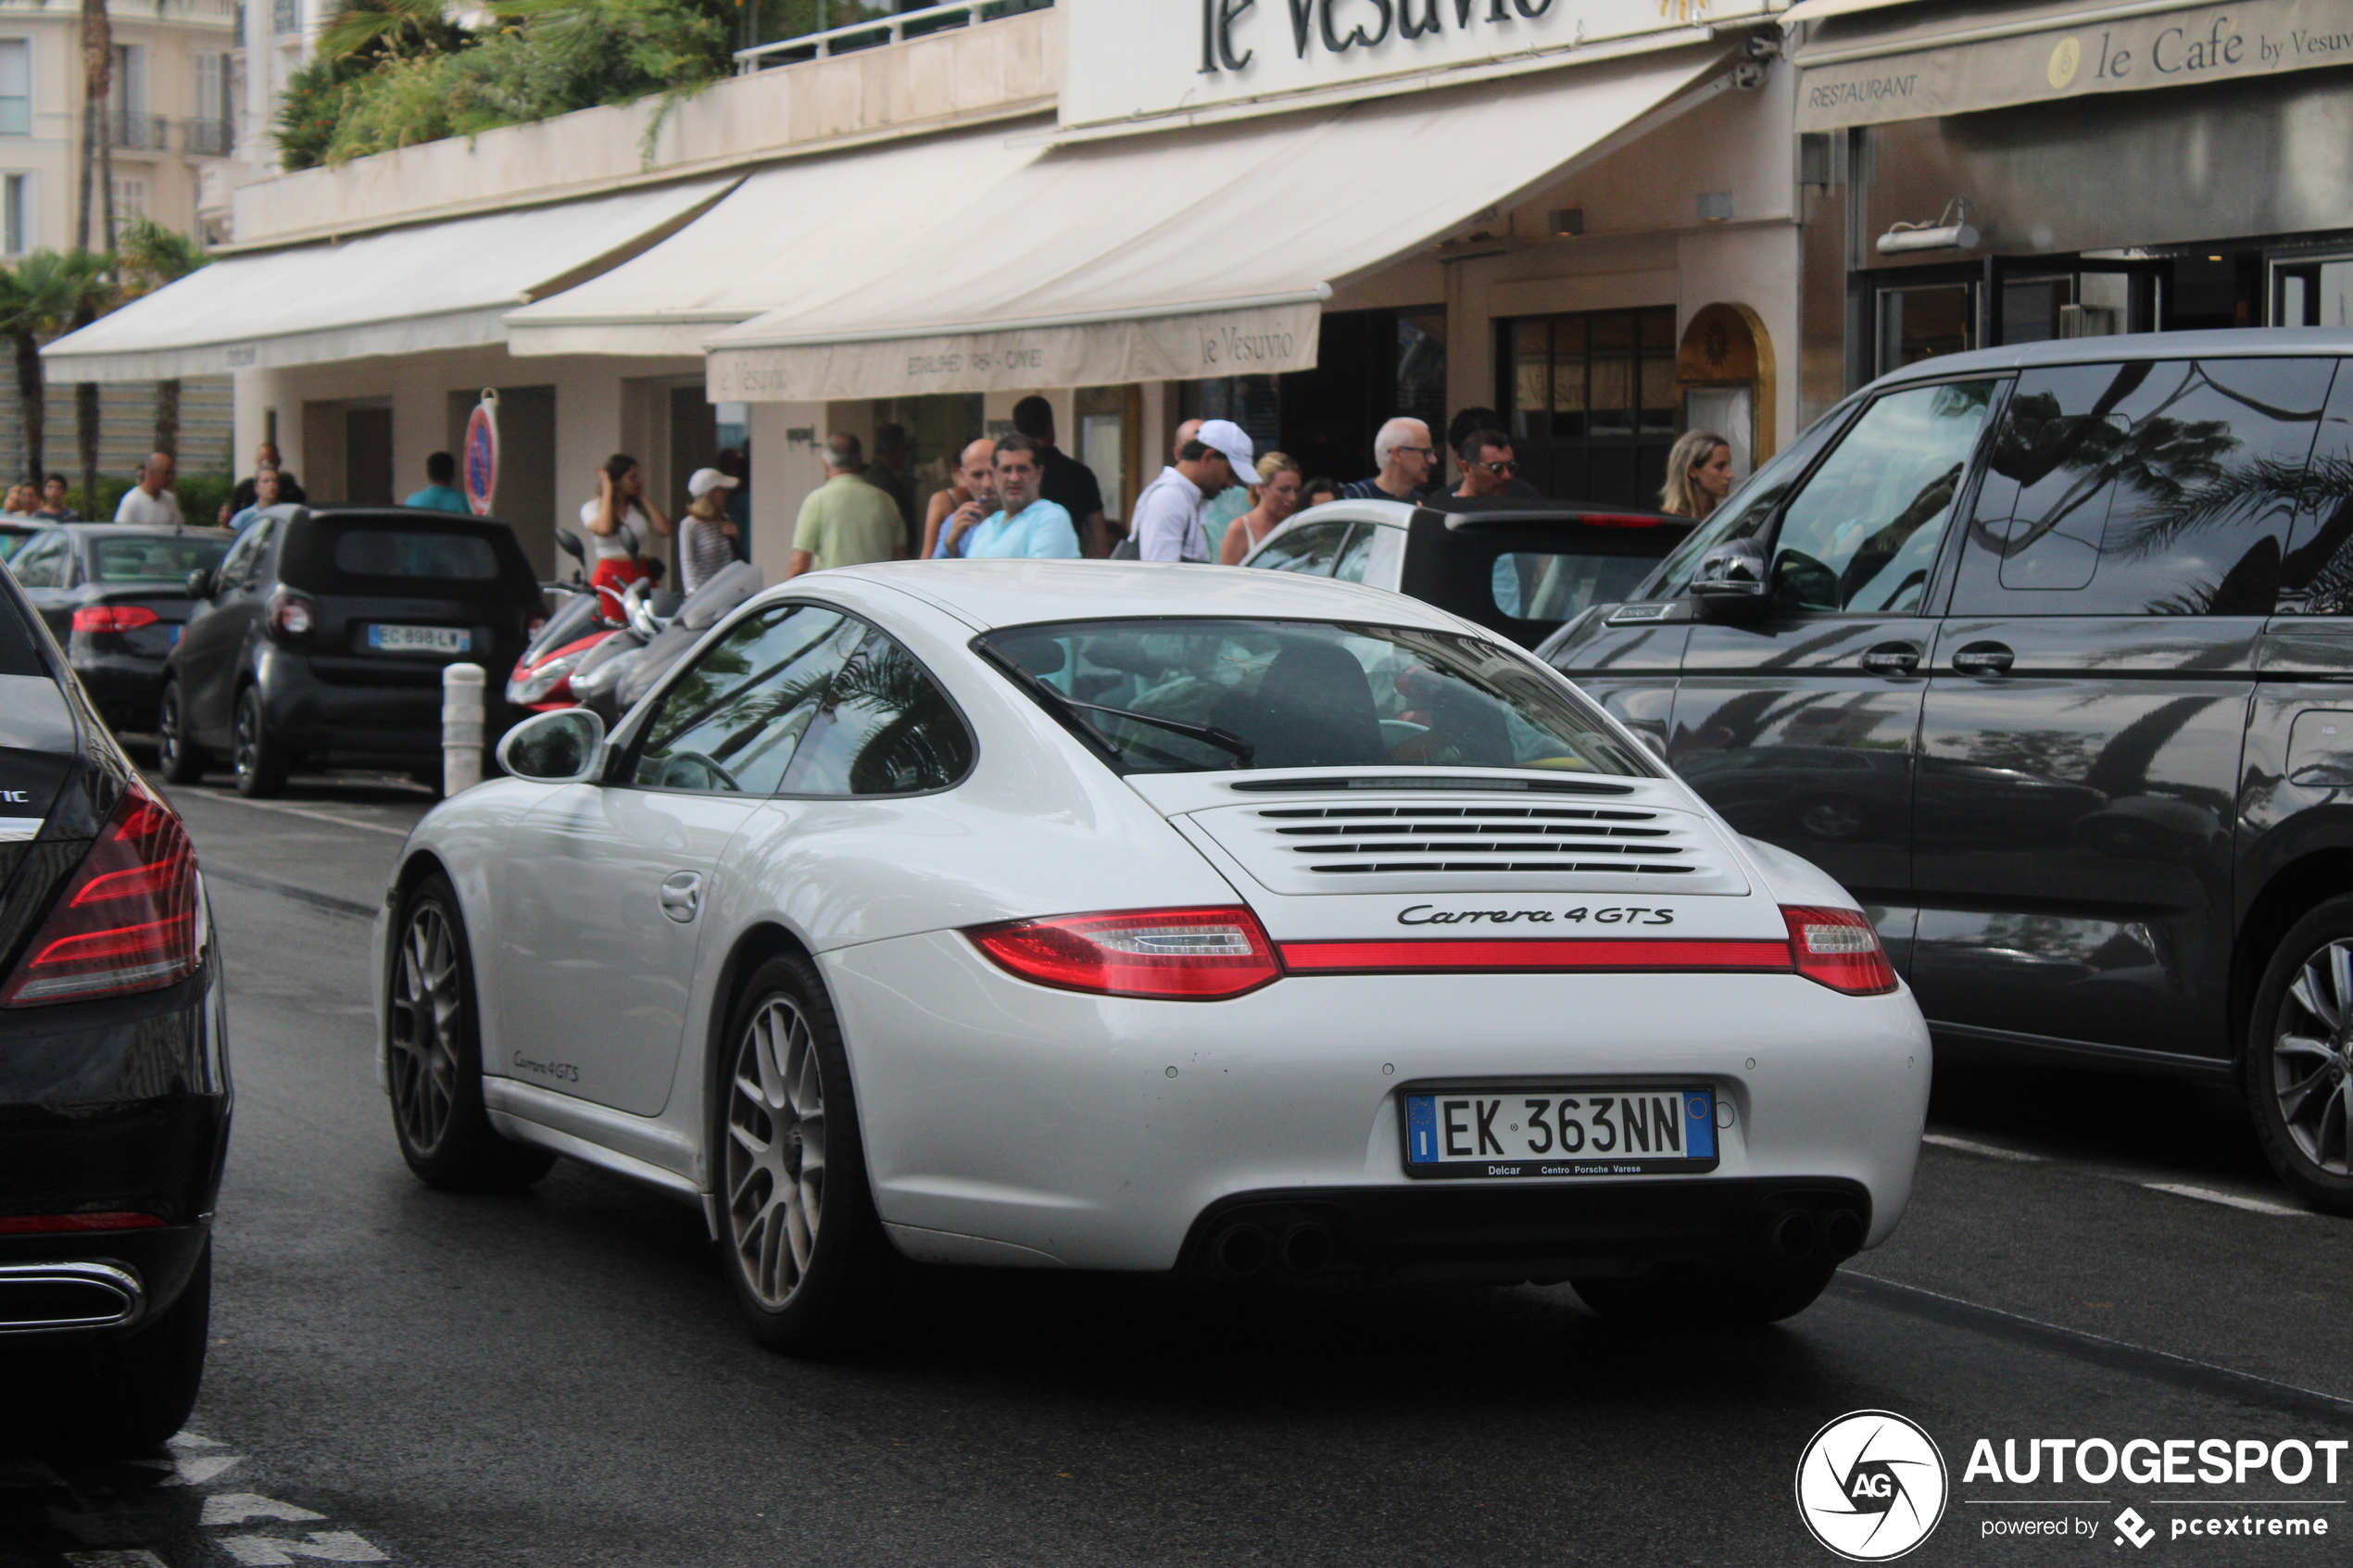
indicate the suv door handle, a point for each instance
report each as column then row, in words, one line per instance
column 1982, row 658
column 1892, row 659
column 682, row 895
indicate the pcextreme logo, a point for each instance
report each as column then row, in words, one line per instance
column 1872, row 1486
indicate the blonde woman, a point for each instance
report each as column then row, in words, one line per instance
column 1699, row 474
column 1282, row 484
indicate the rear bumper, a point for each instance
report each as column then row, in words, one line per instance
column 125, row 686
column 395, row 719
column 1012, row 1122
column 121, row 1106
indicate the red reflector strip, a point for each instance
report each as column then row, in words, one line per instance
column 22, row 1224
column 1620, row 520
column 1682, row 955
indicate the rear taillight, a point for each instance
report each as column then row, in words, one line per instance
column 1839, row 948
column 1179, row 955
column 127, row 918
column 113, row 618
column 292, row 616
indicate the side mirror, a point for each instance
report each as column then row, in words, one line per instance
column 199, row 583
column 568, row 542
column 1731, row 579
column 565, row 747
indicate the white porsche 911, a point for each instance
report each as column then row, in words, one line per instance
column 1148, row 918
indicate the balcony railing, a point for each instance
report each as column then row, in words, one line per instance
column 873, row 31
column 139, row 133
column 285, row 16
column 208, row 138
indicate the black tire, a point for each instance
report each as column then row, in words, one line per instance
column 1725, row 1296
column 807, row 1288
column 259, row 760
column 433, row 1048
column 2298, row 1067
column 125, row 1396
column 179, row 757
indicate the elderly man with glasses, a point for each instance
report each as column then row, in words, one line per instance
column 1406, row 458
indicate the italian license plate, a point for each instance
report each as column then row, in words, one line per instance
column 1629, row 1131
column 419, row 639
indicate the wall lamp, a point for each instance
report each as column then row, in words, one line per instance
column 1952, row 230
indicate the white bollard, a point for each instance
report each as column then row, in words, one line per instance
column 461, row 727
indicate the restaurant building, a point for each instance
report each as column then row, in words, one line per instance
column 1306, row 217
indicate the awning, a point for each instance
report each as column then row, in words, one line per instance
column 1205, row 252
column 437, row 285
column 799, row 233
column 1866, row 62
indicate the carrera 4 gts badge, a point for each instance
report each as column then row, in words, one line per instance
column 1614, row 915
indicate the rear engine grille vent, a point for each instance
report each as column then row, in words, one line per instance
column 1344, row 840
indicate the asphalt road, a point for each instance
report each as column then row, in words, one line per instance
column 559, row 1377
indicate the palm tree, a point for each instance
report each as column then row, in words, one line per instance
column 97, row 138
column 37, row 296
column 152, row 256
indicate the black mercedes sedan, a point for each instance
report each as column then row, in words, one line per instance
column 113, row 1078
column 116, row 596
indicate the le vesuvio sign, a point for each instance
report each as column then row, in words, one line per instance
column 1139, row 60
column 1928, row 71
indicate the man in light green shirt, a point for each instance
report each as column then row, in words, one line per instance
column 846, row 522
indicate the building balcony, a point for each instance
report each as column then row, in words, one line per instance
column 208, row 138
column 134, row 132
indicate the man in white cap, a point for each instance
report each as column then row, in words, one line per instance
column 1166, row 523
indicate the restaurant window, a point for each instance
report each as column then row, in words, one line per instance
column 1370, row 365
column 1921, row 320
column 1591, row 403
column 16, row 87
column 2312, row 292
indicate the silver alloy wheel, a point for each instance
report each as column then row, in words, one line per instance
column 2312, row 1059
column 775, row 1162
column 425, row 1003
column 247, row 736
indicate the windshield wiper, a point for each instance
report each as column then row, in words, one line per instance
column 1225, row 740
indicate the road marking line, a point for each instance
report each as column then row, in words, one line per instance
column 328, row 1545
column 190, row 1440
column 298, row 811
column 136, row 1559
column 1969, row 1146
column 2230, row 1200
column 190, row 1470
column 242, row 1508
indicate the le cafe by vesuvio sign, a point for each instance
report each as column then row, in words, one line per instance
column 1918, row 79
column 1252, row 342
column 1135, row 59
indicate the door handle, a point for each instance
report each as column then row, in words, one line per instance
column 1892, row 659
column 1982, row 658
column 682, row 895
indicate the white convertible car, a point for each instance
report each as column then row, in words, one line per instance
column 1148, row 918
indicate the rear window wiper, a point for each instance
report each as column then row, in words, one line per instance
column 1225, row 740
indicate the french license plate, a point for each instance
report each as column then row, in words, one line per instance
column 419, row 639
column 1630, row 1131
column 174, row 634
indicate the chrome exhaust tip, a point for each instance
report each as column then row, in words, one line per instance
column 50, row 1298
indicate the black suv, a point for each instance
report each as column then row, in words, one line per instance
column 114, row 1084
column 2044, row 652
column 323, row 636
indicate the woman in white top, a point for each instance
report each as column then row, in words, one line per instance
column 619, row 542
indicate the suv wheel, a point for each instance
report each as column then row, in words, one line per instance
column 803, row 1249
column 2300, row 1059
column 260, row 762
column 181, row 759
column 433, row 1049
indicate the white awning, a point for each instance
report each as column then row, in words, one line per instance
column 799, row 233
column 437, row 285
column 1205, row 252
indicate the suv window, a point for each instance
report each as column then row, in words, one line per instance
column 1748, row 509
column 884, row 728
column 2317, row 577
column 2158, row 487
column 1309, row 550
column 731, row 724
column 1863, row 533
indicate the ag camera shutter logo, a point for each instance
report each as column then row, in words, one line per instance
column 1872, row 1486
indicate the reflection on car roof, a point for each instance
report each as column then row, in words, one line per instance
column 1013, row 593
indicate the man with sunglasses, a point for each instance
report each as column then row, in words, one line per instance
column 1406, row 456
column 1488, row 466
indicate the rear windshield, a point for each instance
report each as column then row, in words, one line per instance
column 153, row 560
column 1202, row 696
column 1554, row 585
column 359, row 554
column 387, row 552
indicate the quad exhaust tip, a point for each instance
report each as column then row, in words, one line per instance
column 1794, row 1236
